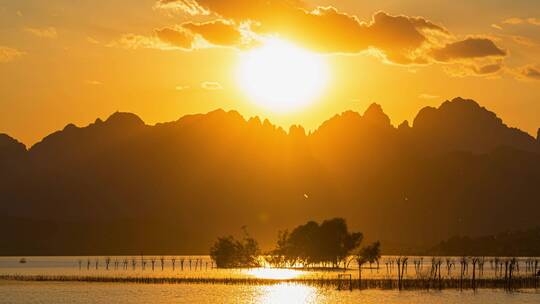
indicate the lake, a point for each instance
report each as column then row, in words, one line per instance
column 82, row 292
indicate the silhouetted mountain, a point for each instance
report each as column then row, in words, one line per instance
column 462, row 124
column 10, row 148
column 121, row 186
column 506, row 244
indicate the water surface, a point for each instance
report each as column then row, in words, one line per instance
column 48, row 292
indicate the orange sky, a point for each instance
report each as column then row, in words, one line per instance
column 65, row 61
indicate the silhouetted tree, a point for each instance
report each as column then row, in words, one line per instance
column 227, row 252
column 311, row 243
column 153, row 261
column 107, row 262
column 449, row 264
column 401, row 266
column 369, row 254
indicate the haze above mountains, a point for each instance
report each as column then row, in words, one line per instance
column 122, row 187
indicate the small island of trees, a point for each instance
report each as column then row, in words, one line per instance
column 227, row 252
column 328, row 244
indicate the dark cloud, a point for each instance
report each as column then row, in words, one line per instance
column 175, row 37
column 530, row 72
column 487, row 69
column 474, row 69
column 470, row 48
column 402, row 37
column 217, row 32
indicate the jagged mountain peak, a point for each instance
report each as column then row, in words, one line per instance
column 9, row 143
column 462, row 124
column 375, row 114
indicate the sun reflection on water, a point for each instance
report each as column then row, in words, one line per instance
column 287, row 293
column 275, row 273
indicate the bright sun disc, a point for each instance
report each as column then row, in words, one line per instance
column 282, row 77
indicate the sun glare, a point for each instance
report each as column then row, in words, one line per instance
column 274, row 273
column 282, row 77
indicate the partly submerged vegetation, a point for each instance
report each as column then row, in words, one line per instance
column 369, row 254
column 427, row 283
column 389, row 272
column 227, row 252
column 327, row 244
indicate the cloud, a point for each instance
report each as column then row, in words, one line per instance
column 513, row 21
column 428, row 96
column 187, row 36
column 397, row 39
column 217, row 32
column 182, row 87
column 92, row 40
column 487, row 69
column 8, row 54
column 524, row 41
column 190, row 7
column 93, row 82
column 490, row 70
column 175, row 37
column 324, row 29
column 517, row 21
column 530, row 72
column 163, row 39
column 47, row 32
column 469, row 48
column 211, row 86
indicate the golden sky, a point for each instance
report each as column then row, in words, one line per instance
column 64, row 61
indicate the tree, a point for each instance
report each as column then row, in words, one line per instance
column 368, row 254
column 227, row 252
column 224, row 252
column 337, row 242
column 311, row 243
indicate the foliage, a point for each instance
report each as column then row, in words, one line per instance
column 227, row 252
column 369, row 254
column 311, row 243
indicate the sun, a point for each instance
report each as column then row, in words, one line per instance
column 281, row 76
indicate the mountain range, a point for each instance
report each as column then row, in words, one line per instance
column 121, row 186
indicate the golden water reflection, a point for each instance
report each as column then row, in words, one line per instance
column 275, row 273
column 287, row 293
